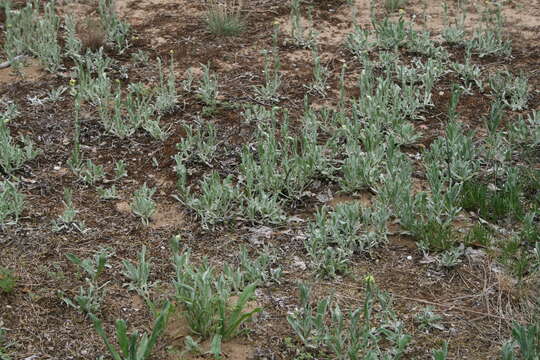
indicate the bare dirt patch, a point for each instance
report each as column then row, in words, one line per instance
column 30, row 71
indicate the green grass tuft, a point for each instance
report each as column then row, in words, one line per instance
column 224, row 17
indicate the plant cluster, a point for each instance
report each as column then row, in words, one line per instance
column 30, row 32
column 138, row 276
column 260, row 192
column 527, row 338
column 34, row 30
column 333, row 237
column 90, row 298
column 117, row 30
column 271, row 73
column 364, row 146
column 262, row 270
column 209, row 303
column 132, row 346
column 324, row 329
column 301, row 36
column 14, row 154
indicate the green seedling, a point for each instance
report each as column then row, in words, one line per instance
column 454, row 33
column 73, row 46
column 138, row 276
column 479, row 235
column 525, row 131
column 92, row 81
column 132, row 347
column 301, row 159
column 67, row 221
column 155, row 130
column 263, row 208
column 92, row 267
column 122, row 116
column 108, row 194
column 142, row 204
column 12, row 155
column 117, row 30
column 394, row 5
column 470, row 74
column 216, row 203
column 451, row 257
column 259, row 270
column 527, row 339
column 320, row 73
column 200, row 143
column 120, row 170
column 91, row 173
column 187, row 83
column 510, row 90
column 433, row 235
column 208, row 89
column 299, row 35
column 441, row 354
column 89, row 299
column 362, row 170
column 493, row 204
column 182, row 175
column 75, row 161
column 140, row 57
column 11, row 203
column 8, row 281
column 489, row 42
column 391, row 35
column 420, row 42
column 334, row 236
column 358, row 42
column 428, row 319
column 166, row 94
column 272, row 77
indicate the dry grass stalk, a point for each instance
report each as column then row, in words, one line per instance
column 91, row 33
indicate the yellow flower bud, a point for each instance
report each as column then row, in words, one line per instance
column 369, row 279
column 72, row 82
